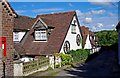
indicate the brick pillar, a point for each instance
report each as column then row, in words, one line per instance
column 7, row 31
column 1, row 64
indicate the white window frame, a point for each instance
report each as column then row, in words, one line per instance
column 40, row 35
column 16, row 36
column 73, row 27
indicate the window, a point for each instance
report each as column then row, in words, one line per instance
column 40, row 35
column 16, row 36
column 66, row 47
column 78, row 40
column 91, row 38
column 73, row 28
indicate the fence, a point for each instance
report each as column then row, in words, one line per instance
column 95, row 50
column 24, row 69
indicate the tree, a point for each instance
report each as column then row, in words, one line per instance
column 107, row 37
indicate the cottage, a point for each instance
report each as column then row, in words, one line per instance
column 7, row 15
column 88, row 38
column 47, row 34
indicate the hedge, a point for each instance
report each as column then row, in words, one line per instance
column 79, row 55
column 74, row 56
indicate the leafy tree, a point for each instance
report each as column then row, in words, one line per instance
column 107, row 37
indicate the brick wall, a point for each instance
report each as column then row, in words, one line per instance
column 7, row 31
column 1, row 65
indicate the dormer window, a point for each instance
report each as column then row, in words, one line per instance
column 73, row 28
column 40, row 35
column 16, row 36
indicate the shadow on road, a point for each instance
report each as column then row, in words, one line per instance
column 100, row 64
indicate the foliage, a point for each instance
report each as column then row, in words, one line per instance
column 50, row 68
column 79, row 55
column 107, row 38
column 57, row 66
column 66, row 59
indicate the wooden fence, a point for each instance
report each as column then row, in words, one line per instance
column 35, row 65
column 26, row 68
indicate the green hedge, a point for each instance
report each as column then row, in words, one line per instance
column 66, row 59
column 79, row 55
column 74, row 56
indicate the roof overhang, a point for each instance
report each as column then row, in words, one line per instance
column 20, row 30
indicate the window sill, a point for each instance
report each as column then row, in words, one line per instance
column 16, row 41
column 40, row 41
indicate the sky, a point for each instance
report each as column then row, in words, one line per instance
column 95, row 15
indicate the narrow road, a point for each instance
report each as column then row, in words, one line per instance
column 103, row 66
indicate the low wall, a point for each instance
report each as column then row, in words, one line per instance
column 40, row 64
column 27, row 68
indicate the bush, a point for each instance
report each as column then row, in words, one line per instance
column 66, row 59
column 50, row 68
column 57, row 66
column 79, row 55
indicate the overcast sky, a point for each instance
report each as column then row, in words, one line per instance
column 95, row 15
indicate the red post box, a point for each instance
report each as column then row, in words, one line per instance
column 3, row 45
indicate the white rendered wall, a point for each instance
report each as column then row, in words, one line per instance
column 21, row 35
column 72, row 38
column 87, row 43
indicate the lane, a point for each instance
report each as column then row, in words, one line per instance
column 102, row 65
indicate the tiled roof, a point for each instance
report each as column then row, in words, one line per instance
column 23, row 22
column 18, row 47
column 85, row 33
column 93, row 39
column 61, row 22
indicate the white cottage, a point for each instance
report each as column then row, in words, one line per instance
column 88, row 38
column 47, row 34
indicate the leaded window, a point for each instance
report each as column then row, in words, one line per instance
column 15, row 36
column 40, row 35
column 78, row 40
column 73, row 27
column 66, row 47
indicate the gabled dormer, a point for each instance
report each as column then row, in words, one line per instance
column 18, row 35
column 40, row 30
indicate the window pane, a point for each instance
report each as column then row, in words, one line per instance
column 41, row 35
column 16, row 36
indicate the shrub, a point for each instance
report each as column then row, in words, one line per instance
column 79, row 55
column 57, row 66
column 66, row 59
column 50, row 68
